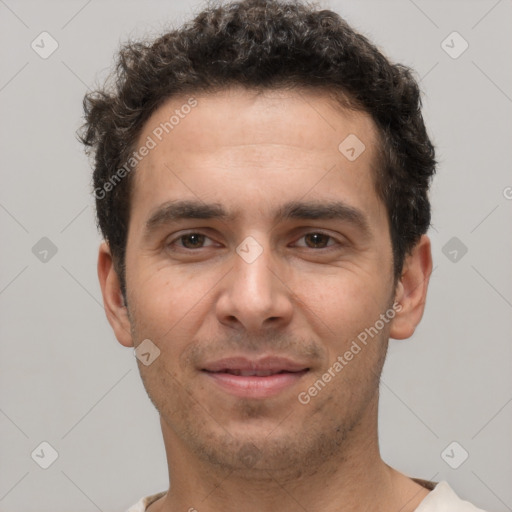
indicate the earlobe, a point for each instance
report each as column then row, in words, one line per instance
column 115, row 309
column 411, row 290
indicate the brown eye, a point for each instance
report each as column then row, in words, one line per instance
column 192, row 240
column 189, row 241
column 316, row 240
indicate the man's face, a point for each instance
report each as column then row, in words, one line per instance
column 219, row 296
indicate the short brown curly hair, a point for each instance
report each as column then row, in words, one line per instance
column 262, row 44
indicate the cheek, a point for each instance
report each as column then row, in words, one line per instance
column 167, row 302
column 345, row 302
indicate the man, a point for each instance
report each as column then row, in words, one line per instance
column 261, row 180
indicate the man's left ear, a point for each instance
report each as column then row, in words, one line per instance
column 411, row 290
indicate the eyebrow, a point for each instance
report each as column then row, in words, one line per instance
column 173, row 211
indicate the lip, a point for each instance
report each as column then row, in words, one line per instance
column 260, row 378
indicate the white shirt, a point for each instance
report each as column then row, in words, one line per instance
column 441, row 499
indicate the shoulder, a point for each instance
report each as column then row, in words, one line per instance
column 143, row 503
column 444, row 499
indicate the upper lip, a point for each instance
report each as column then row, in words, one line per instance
column 264, row 364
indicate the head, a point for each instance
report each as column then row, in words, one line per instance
column 261, row 179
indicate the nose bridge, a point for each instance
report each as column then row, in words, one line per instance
column 252, row 274
column 253, row 295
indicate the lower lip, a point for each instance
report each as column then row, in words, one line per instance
column 253, row 386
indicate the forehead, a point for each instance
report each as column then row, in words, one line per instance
column 306, row 118
column 202, row 142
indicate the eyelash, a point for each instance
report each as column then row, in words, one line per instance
column 327, row 248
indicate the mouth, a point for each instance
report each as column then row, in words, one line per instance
column 260, row 378
column 253, row 373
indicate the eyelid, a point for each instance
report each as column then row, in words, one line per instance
column 323, row 233
column 303, row 232
column 177, row 236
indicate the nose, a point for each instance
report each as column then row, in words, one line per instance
column 255, row 295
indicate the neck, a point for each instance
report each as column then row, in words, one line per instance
column 354, row 479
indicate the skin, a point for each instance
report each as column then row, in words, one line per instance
column 200, row 301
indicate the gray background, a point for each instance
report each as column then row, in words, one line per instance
column 65, row 380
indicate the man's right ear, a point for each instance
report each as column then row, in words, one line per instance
column 115, row 309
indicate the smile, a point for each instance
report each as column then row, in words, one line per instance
column 262, row 378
